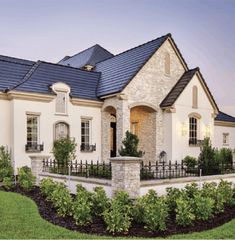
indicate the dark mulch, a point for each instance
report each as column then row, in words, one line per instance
column 48, row 212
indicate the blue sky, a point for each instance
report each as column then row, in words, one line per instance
column 50, row 29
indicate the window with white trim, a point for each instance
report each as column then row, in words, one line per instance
column 193, row 130
column 195, row 97
column 61, row 130
column 86, row 136
column 225, row 139
column 32, row 131
column 61, row 102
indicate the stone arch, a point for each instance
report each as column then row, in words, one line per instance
column 61, row 128
column 146, row 104
column 109, row 135
column 143, row 124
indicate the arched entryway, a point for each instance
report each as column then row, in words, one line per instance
column 143, row 124
column 109, row 133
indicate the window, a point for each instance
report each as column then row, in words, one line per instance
column 134, row 128
column 61, row 103
column 61, row 130
column 193, row 130
column 225, row 139
column 167, row 64
column 85, row 134
column 195, row 97
column 33, row 134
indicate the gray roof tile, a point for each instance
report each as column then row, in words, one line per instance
column 224, row 117
column 90, row 56
column 118, row 71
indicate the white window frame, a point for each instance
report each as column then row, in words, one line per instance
column 37, row 131
column 89, row 142
column 196, row 130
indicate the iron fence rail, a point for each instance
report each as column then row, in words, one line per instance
column 79, row 168
column 171, row 170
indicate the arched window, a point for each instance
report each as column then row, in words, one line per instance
column 61, row 130
column 193, row 130
column 167, row 64
column 195, row 97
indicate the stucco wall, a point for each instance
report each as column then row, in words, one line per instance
column 183, row 107
column 218, row 137
column 47, row 120
column 5, row 123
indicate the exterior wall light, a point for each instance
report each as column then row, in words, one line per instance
column 184, row 129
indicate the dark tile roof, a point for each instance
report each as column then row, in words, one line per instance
column 83, row 83
column 119, row 70
column 12, row 70
column 224, row 117
column 175, row 92
column 90, row 56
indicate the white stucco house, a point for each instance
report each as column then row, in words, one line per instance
column 95, row 96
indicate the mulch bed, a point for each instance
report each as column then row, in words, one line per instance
column 48, row 212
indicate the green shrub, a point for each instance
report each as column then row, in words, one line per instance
column 155, row 212
column 191, row 190
column 184, row 212
column 202, row 207
column 82, row 207
column 64, row 150
column 226, row 156
column 47, row 186
column 26, row 178
column 190, row 162
column 6, row 170
column 207, row 160
column 172, row 195
column 100, row 201
column 118, row 216
column 8, row 183
column 61, row 199
column 130, row 146
column 225, row 188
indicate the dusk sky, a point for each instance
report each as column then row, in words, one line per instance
column 50, row 29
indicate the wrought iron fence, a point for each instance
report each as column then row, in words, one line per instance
column 79, row 168
column 178, row 170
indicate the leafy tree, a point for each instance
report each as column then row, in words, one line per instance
column 64, row 150
column 130, row 146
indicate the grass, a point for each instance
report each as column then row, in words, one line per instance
column 19, row 219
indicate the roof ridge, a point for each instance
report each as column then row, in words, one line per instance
column 67, row 66
column 27, row 75
column 14, row 58
column 81, row 51
column 164, row 36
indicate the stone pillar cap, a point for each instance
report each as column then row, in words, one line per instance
column 126, row 159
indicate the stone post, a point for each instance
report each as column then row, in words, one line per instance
column 37, row 165
column 233, row 156
column 126, row 175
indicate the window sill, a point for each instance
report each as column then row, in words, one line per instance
column 167, row 75
column 194, row 145
column 86, row 151
column 33, row 151
column 62, row 114
column 226, row 145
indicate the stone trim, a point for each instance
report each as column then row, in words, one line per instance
column 30, row 96
column 102, row 182
column 184, row 180
column 224, row 124
column 121, row 160
column 86, row 103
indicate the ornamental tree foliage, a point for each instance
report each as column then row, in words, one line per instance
column 130, row 146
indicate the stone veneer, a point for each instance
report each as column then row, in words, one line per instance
column 126, row 175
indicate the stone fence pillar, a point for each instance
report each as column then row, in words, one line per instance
column 126, row 175
column 37, row 165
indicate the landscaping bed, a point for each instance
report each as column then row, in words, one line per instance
column 98, row 227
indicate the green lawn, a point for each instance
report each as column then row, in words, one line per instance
column 19, row 218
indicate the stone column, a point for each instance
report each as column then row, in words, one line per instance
column 123, row 120
column 234, row 157
column 37, row 165
column 126, row 175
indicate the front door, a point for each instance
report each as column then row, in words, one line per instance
column 113, row 147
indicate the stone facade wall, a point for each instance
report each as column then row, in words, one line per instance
column 145, row 118
column 126, row 175
column 151, row 85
